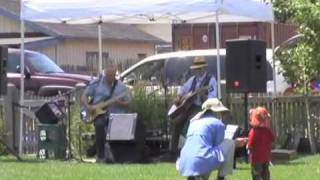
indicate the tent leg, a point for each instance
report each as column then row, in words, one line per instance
column 218, row 54
column 21, row 87
column 273, row 59
column 100, row 48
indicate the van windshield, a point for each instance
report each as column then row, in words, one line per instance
column 42, row 63
column 178, row 68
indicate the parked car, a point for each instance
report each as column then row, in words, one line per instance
column 172, row 69
column 42, row 76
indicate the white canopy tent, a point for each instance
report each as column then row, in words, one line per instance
column 143, row 12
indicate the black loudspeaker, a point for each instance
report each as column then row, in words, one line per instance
column 50, row 113
column 3, row 69
column 125, row 139
column 246, row 66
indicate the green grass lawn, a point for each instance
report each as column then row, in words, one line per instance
column 303, row 168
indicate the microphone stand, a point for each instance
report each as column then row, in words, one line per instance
column 68, row 104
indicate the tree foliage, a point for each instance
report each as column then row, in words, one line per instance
column 282, row 12
column 301, row 63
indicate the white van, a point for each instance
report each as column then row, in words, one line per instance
column 172, row 69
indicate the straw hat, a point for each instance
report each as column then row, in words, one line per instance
column 199, row 62
column 214, row 104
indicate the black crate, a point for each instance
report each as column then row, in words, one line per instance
column 51, row 141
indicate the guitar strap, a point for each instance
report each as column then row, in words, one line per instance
column 204, row 82
column 112, row 90
column 193, row 85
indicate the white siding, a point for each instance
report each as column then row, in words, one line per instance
column 8, row 25
column 73, row 52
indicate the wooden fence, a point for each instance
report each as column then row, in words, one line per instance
column 11, row 106
column 290, row 116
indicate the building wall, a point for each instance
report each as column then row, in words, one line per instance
column 8, row 25
column 202, row 36
column 72, row 53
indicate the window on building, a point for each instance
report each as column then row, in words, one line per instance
column 92, row 60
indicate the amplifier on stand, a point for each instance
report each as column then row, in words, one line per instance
column 125, row 139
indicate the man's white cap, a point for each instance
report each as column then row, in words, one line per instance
column 214, row 104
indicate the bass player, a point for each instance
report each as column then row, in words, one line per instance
column 98, row 91
column 199, row 80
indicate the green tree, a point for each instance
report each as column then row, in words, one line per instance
column 282, row 12
column 301, row 63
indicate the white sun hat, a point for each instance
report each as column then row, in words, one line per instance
column 214, row 104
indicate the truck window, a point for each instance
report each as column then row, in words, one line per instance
column 13, row 62
column 41, row 63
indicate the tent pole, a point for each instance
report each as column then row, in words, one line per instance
column 218, row 54
column 21, row 86
column 273, row 59
column 100, row 48
column 273, row 107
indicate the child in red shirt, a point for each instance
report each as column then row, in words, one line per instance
column 260, row 142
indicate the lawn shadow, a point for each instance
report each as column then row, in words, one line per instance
column 242, row 168
column 23, row 161
column 298, row 160
column 289, row 163
column 11, row 159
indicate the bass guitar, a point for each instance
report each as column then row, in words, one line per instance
column 88, row 115
column 186, row 102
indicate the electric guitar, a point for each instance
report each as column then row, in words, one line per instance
column 185, row 103
column 88, row 115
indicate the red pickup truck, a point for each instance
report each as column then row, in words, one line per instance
column 42, row 76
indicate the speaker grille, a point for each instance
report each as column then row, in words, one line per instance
column 122, row 127
column 246, row 66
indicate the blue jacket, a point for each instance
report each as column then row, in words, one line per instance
column 200, row 153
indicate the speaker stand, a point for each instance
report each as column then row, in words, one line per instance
column 246, row 118
column 69, row 154
column 246, row 112
column 11, row 151
column 67, row 95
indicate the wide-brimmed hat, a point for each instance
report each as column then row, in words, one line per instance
column 214, row 104
column 260, row 117
column 199, row 62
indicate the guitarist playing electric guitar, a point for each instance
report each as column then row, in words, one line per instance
column 189, row 101
column 114, row 97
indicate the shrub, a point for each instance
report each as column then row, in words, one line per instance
column 150, row 105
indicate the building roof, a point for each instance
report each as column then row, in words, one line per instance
column 17, row 41
column 11, row 9
column 12, row 6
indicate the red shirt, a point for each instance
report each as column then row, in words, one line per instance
column 260, row 144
